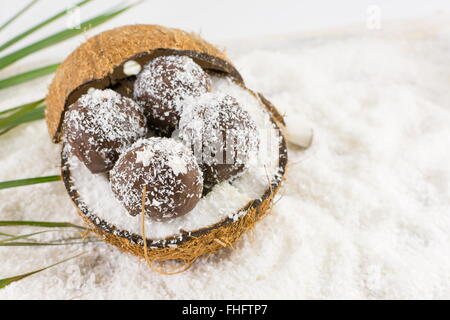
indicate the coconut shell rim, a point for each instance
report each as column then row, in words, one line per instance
column 207, row 240
column 201, row 51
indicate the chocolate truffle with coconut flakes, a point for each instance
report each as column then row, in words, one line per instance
column 221, row 134
column 168, row 171
column 162, row 86
column 125, row 87
column 100, row 125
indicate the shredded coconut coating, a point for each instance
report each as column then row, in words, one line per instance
column 167, row 169
column 100, row 125
column 162, row 86
column 221, row 134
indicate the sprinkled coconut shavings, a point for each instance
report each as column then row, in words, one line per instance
column 220, row 132
column 224, row 201
column 176, row 154
column 157, row 164
column 103, row 116
column 103, row 122
column 177, row 164
column 170, row 90
column 145, row 156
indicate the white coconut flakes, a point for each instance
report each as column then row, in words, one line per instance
column 225, row 200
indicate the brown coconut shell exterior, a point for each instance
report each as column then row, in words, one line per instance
column 98, row 63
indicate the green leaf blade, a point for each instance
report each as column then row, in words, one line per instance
column 7, row 119
column 29, row 235
column 59, row 37
column 3, row 234
column 41, row 244
column 18, row 14
column 36, row 114
column 7, row 281
column 11, row 118
column 46, row 224
column 7, row 112
column 28, row 76
column 40, row 25
column 29, row 181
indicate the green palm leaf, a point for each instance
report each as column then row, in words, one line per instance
column 27, row 76
column 13, row 117
column 45, row 224
column 39, row 26
column 18, row 14
column 36, row 114
column 7, row 112
column 3, row 234
column 25, row 182
column 23, row 236
column 34, row 111
column 7, row 281
column 28, row 112
column 46, row 244
column 61, row 36
column 29, row 235
column 18, row 112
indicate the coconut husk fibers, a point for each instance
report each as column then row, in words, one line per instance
column 98, row 63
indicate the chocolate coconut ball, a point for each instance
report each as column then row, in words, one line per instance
column 222, row 136
column 162, row 86
column 169, row 172
column 100, row 125
column 125, row 87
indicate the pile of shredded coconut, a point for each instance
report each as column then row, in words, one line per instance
column 364, row 213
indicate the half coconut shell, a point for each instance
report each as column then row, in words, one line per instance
column 99, row 63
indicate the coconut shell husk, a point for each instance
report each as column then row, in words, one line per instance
column 188, row 245
column 98, row 63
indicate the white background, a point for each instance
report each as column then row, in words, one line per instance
column 219, row 20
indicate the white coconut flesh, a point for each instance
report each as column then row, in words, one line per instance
column 226, row 200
